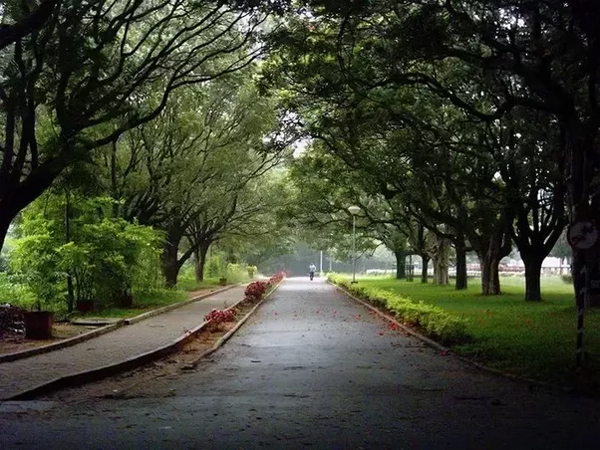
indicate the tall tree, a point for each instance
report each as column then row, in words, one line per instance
column 104, row 68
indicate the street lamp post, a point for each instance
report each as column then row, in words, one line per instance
column 354, row 210
column 321, row 265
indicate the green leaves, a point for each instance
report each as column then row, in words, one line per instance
column 105, row 256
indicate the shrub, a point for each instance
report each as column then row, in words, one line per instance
column 255, row 291
column 433, row 321
column 221, row 315
column 14, row 293
column 235, row 273
column 252, row 271
column 35, row 261
column 275, row 279
column 217, row 317
column 215, row 267
column 106, row 257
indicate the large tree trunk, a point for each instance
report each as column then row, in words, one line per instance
column 400, row 265
column 200, row 261
column 491, row 249
column 425, row 267
column 4, row 226
column 440, row 272
column 171, row 264
column 461, row 265
column 490, row 277
column 70, row 290
column 441, row 260
column 116, row 207
column 533, row 271
column 198, row 268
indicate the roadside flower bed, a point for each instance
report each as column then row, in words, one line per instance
column 276, row 279
column 217, row 317
column 431, row 320
column 254, row 292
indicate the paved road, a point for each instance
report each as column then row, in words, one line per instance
column 312, row 369
column 111, row 348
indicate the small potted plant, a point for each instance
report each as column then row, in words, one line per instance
column 38, row 323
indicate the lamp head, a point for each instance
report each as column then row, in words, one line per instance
column 354, row 210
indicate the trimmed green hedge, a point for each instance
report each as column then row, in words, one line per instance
column 434, row 322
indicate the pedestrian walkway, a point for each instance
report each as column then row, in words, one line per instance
column 111, row 348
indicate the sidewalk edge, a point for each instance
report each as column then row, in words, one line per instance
column 9, row 357
column 99, row 373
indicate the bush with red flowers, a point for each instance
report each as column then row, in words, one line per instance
column 255, row 291
column 276, row 279
column 217, row 317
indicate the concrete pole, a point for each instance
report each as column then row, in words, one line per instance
column 354, row 249
column 321, row 265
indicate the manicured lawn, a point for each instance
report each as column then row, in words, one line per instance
column 524, row 338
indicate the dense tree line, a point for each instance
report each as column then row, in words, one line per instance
column 480, row 137
column 479, row 118
column 133, row 139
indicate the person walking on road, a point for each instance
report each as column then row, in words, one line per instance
column 311, row 271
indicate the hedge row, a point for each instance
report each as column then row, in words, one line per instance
column 434, row 322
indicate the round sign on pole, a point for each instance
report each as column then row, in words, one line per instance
column 582, row 235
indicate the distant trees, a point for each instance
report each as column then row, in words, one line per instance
column 480, row 130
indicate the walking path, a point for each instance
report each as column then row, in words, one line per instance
column 110, row 348
column 310, row 369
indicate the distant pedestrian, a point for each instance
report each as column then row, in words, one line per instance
column 311, row 271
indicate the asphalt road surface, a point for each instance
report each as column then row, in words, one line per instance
column 313, row 369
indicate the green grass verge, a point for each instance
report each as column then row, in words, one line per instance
column 148, row 301
column 431, row 320
column 524, row 338
column 189, row 283
column 142, row 304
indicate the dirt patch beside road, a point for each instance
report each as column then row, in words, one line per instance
column 60, row 332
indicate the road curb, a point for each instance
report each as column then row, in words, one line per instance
column 9, row 357
column 231, row 332
column 99, row 373
column 438, row 346
column 168, row 308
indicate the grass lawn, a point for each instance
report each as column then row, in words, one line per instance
column 529, row 339
column 189, row 283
